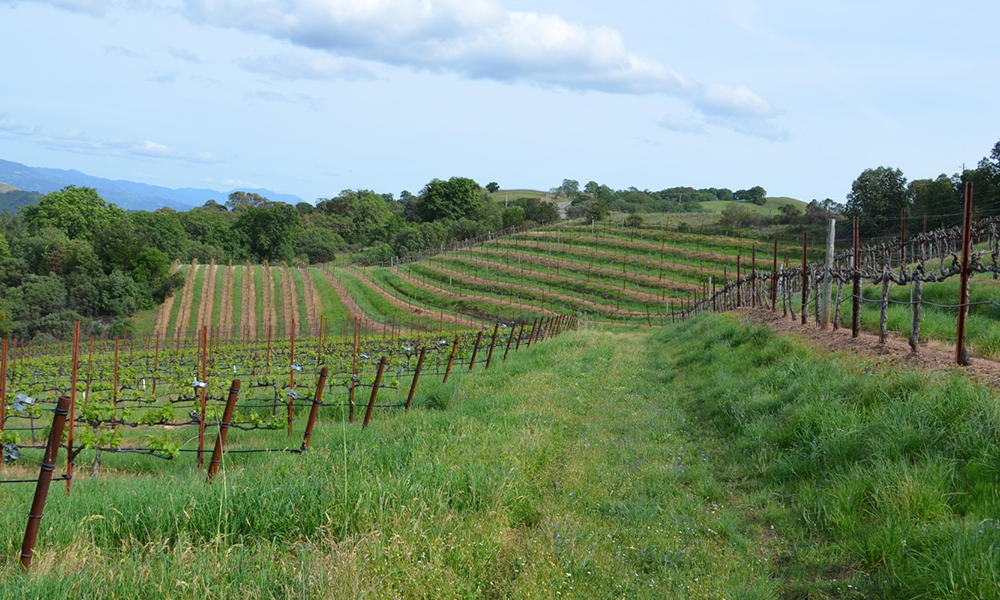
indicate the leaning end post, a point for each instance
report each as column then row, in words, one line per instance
column 44, row 480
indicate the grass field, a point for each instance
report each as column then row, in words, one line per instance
column 704, row 460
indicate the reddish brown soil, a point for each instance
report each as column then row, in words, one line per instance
column 895, row 351
column 184, row 314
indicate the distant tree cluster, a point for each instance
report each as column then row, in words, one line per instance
column 881, row 194
column 597, row 199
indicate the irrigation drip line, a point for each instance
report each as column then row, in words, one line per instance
column 248, row 450
column 929, row 303
column 35, row 480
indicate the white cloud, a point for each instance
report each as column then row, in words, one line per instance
column 292, row 66
column 682, row 124
column 13, row 128
column 185, row 55
column 90, row 7
column 78, row 142
column 478, row 39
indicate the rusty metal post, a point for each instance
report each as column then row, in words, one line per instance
column 44, row 480
column 74, row 372
column 961, row 356
column 531, row 335
column 510, row 338
column 475, row 350
column 774, row 278
column 805, row 281
column 451, row 360
column 856, row 276
column 493, row 341
column 416, row 377
column 520, row 336
column 317, row 400
column 371, row 401
column 540, row 332
column 227, row 421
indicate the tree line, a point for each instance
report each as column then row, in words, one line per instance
column 72, row 256
column 882, row 196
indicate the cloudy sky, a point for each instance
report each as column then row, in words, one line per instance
column 314, row 96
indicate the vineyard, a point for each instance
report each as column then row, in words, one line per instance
column 255, row 383
column 117, row 407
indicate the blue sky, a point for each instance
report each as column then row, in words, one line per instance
column 311, row 97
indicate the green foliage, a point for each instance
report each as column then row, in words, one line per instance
column 453, row 199
column 877, row 196
column 755, row 195
column 267, row 231
column 77, row 211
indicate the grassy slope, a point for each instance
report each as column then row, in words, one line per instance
column 199, row 285
column 771, row 208
column 706, row 460
column 335, row 316
column 237, row 307
column 279, row 301
column 512, row 195
column 217, row 299
column 260, row 324
column 302, row 307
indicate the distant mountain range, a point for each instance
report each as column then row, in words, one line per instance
column 126, row 194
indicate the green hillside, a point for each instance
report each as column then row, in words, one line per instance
column 771, row 208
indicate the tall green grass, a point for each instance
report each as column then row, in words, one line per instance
column 888, row 470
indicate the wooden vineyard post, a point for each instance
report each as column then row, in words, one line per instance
column 827, row 276
column 753, row 277
column 451, row 360
column 493, row 341
column 416, row 377
column 531, row 335
column 961, row 356
column 227, row 421
column 510, row 338
column 44, row 481
column 317, row 401
column 203, row 389
column 475, row 350
column 856, row 276
column 74, row 372
column 371, row 401
column 739, row 282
